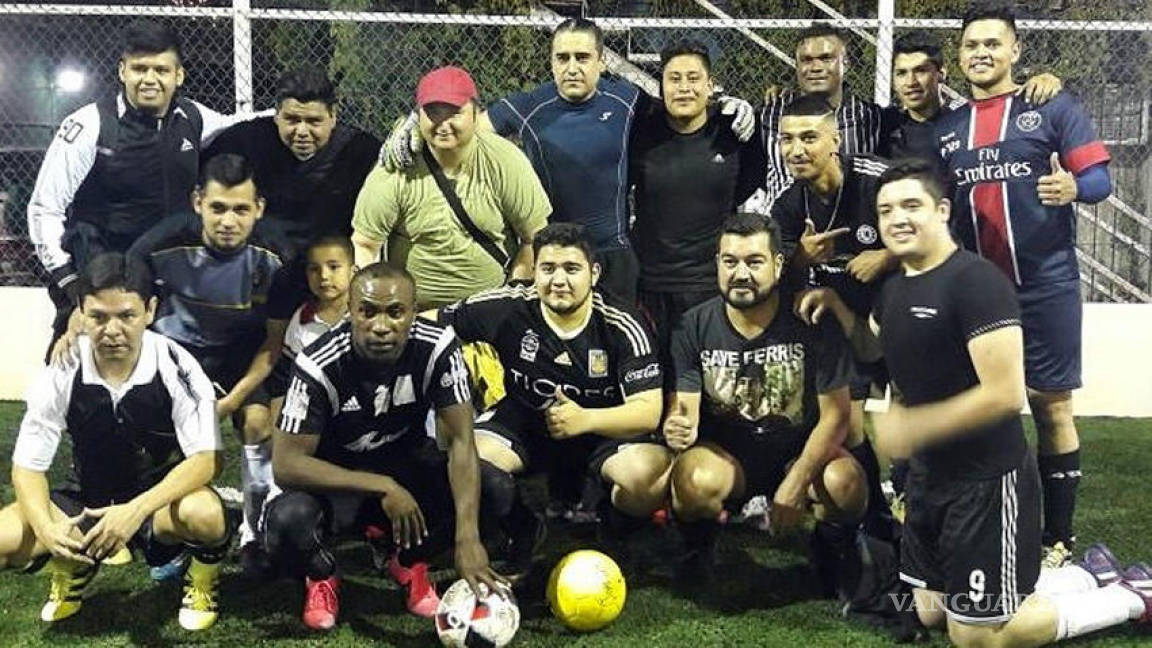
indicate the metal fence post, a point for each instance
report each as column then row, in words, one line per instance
column 242, row 53
column 886, row 13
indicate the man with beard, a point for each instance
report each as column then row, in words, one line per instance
column 1015, row 170
column 119, row 165
column 761, row 403
column 583, row 384
column 352, row 449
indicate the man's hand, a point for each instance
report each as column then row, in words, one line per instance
column 64, row 351
column 870, row 265
column 771, row 92
column 403, row 143
column 472, row 565
column 679, row 432
column 565, row 418
column 817, row 247
column 116, row 526
column 1058, row 188
column 744, row 120
column 787, row 510
column 1041, row 88
column 58, row 538
column 408, row 527
column 893, row 439
column 226, row 406
column 811, row 304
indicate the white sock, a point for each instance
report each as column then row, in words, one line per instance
column 255, row 480
column 1065, row 580
column 1103, row 607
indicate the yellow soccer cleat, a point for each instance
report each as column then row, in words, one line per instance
column 122, row 557
column 198, row 611
column 66, row 589
column 1056, row 556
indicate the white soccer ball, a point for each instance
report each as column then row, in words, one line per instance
column 461, row 620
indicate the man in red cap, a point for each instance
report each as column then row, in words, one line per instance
column 447, row 218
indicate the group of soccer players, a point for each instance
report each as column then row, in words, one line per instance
column 685, row 366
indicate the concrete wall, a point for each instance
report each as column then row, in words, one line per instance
column 1117, row 352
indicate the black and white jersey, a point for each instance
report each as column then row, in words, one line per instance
column 858, row 121
column 363, row 411
column 926, row 322
column 854, row 207
column 118, row 169
column 606, row 360
column 125, row 439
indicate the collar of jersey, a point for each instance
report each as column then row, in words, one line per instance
column 569, row 335
column 143, row 372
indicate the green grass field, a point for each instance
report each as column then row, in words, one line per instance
column 764, row 597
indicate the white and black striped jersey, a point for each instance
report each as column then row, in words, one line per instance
column 364, row 411
column 859, row 122
column 611, row 357
column 854, row 207
column 125, row 439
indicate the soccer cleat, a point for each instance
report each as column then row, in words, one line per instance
column 66, row 589
column 199, row 608
column 522, row 545
column 421, row 599
column 321, row 603
column 1138, row 578
column 1056, row 556
column 170, row 570
column 120, row 558
column 1099, row 561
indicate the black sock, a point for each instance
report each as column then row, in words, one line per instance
column 321, row 565
column 898, row 471
column 877, row 518
column 208, row 555
column 1060, row 475
column 700, row 535
column 829, row 544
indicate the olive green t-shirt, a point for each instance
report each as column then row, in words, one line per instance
column 499, row 190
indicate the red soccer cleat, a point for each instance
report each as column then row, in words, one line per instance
column 321, row 603
column 422, row 597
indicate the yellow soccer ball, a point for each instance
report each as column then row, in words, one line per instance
column 586, row 590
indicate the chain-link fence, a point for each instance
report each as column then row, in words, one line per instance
column 54, row 58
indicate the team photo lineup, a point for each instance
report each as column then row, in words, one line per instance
column 576, row 306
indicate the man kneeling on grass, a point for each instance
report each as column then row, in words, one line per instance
column 145, row 445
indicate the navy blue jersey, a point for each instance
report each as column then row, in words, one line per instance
column 995, row 150
column 580, row 152
column 210, row 298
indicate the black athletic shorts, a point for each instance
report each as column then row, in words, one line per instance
column 764, row 456
column 225, row 366
column 976, row 541
column 155, row 553
column 420, row 467
column 526, row 433
column 869, row 380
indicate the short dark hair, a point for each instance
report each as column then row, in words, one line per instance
column 332, row 240
column 227, row 169
column 686, row 47
column 384, row 270
column 919, row 42
column 915, row 169
column 809, row 105
column 989, row 11
column 115, row 270
column 582, row 25
column 749, row 224
column 821, row 30
column 149, row 37
column 563, row 235
column 306, row 84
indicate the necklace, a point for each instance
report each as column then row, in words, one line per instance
column 835, row 206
